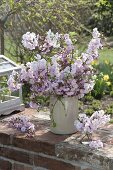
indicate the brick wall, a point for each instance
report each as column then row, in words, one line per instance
column 47, row 151
column 14, row 158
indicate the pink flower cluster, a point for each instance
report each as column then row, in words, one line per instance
column 57, row 69
column 88, row 125
column 23, row 124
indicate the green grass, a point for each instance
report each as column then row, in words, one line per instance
column 10, row 49
column 111, row 121
column 106, row 54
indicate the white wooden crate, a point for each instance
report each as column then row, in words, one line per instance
column 10, row 104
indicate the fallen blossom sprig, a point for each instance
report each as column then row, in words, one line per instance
column 88, row 125
column 96, row 144
column 23, row 124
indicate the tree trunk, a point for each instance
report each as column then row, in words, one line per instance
column 1, row 37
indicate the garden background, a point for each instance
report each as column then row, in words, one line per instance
column 76, row 17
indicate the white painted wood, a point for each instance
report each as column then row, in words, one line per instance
column 8, row 70
column 10, row 104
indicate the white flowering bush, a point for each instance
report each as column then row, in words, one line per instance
column 57, row 70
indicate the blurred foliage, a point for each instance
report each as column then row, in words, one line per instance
column 60, row 16
column 109, row 109
column 103, row 16
column 74, row 16
column 89, row 108
column 89, row 111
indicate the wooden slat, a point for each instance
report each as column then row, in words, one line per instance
column 10, row 61
column 6, row 62
column 8, row 71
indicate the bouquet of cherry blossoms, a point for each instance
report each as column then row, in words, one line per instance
column 57, row 69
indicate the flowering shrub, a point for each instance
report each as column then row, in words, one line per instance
column 104, row 80
column 57, row 70
column 106, row 77
column 23, row 124
column 101, row 87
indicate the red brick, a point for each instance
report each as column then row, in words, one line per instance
column 5, row 165
column 53, row 164
column 19, row 156
column 21, row 167
column 5, row 139
column 87, row 169
column 34, row 145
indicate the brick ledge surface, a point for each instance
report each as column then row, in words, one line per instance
column 49, row 151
